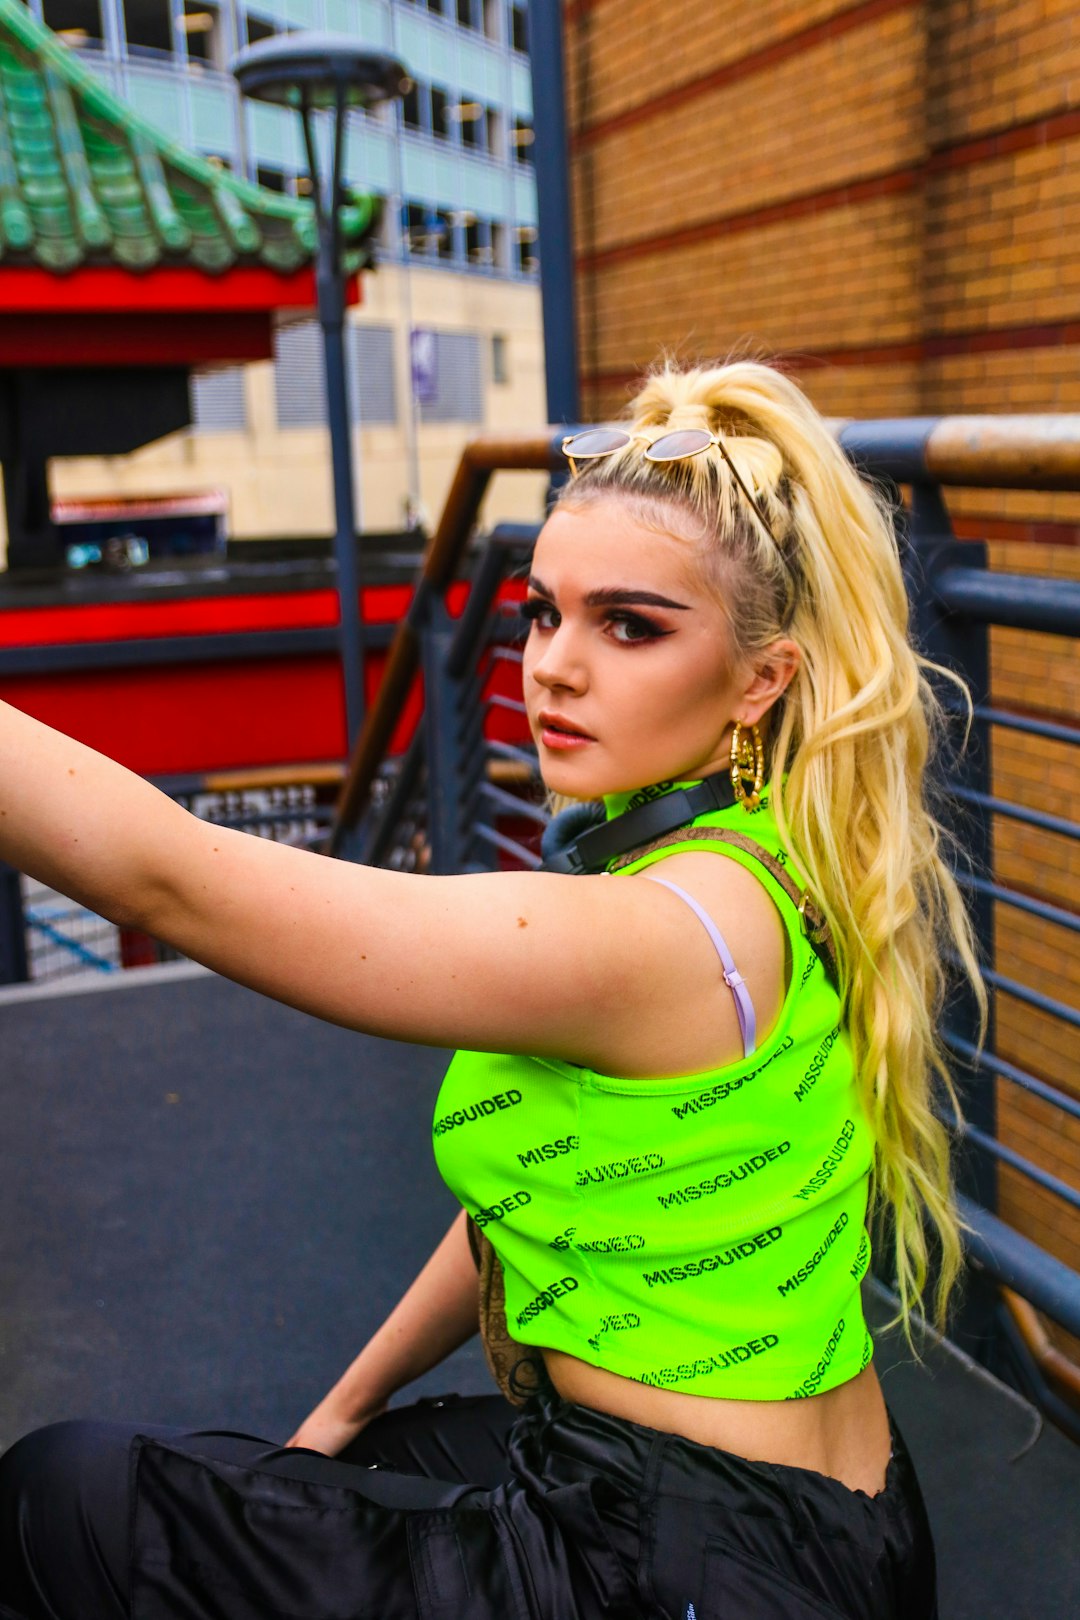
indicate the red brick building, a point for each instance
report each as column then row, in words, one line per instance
column 886, row 195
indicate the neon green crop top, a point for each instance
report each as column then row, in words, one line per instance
column 704, row 1233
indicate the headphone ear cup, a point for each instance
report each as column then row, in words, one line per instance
column 562, row 830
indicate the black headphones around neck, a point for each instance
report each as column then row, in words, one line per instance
column 566, row 848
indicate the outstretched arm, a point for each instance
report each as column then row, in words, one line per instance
column 436, row 1315
column 511, row 962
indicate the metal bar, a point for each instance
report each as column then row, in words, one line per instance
column 1028, row 724
column 511, row 847
column 514, row 807
column 1021, row 902
column 1016, row 812
column 468, row 632
column 397, row 799
column 1049, row 1284
column 1007, row 1155
column 41, row 926
column 509, row 655
column 1022, row 601
column 521, row 756
column 156, row 650
column 1024, row 992
column 979, row 452
column 1008, row 1071
column 497, row 701
column 14, row 967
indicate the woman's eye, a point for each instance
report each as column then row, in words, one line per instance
column 542, row 614
column 628, row 627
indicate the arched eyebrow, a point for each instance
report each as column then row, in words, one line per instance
column 614, row 597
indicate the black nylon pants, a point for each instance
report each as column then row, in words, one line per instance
column 459, row 1510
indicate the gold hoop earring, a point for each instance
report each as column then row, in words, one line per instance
column 747, row 755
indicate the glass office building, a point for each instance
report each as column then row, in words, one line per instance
column 460, row 169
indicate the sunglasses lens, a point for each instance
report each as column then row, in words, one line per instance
column 596, row 442
column 677, row 446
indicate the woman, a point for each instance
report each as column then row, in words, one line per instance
column 674, row 1157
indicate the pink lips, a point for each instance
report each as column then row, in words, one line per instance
column 559, row 733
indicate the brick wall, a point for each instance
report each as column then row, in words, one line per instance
column 886, row 194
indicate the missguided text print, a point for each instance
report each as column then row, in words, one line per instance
column 816, row 1064
column 809, row 1386
column 734, row 1356
column 725, row 1088
column 712, row 1262
column 811, row 1265
column 830, row 1163
column 615, row 1169
column 724, row 1178
column 477, row 1110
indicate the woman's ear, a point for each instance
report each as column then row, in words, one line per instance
column 774, row 669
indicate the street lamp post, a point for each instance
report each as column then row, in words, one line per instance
column 312, row 72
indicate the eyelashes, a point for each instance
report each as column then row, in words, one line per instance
column 638, row 628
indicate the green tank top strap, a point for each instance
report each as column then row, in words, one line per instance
column 814, row 924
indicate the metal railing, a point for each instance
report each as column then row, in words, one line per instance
column 464, row 794
column 44, row 937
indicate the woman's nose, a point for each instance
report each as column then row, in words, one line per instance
column 559, row 663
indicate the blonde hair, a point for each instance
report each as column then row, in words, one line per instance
column 848, row 744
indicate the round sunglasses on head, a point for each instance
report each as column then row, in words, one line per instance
column 678, row 445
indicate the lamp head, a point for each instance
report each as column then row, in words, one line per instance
column 317, row 70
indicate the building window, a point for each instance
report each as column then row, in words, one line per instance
column 78, row 22
column 416, row 232
column 466, row 15
column 441, row 121
column 217, row 401
column 496, row 125
column 437, row 6
column 298, row 375
column 522, row 137
column 444, row 234
column 459, row 393
column 148, row 28
column 204, row 36
column 372, row 393
column 497, row 237
column 299, row 387
column 472, row 116
column 257, row 28
column 411, row 114
column 519, row 28
column 525, row 249
column 492, row 19
column 272, row 179
column 478, row 242
column 500, row 358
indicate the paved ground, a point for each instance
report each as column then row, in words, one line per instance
column 207, row 1201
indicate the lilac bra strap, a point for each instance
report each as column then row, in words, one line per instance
column 732, row 977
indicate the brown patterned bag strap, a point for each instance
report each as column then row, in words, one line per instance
column 814, row 925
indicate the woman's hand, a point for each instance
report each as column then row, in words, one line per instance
column 330, row 1428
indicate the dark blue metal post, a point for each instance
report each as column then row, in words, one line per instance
column 14, row 966
column 330, row 291
column 555, row 219
column 442, row 739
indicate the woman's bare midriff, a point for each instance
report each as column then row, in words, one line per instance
column 843, row 1433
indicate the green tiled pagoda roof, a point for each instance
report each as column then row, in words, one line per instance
column 86, row 181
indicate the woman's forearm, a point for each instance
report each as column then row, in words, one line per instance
column 437, row 1314
column 78, row 821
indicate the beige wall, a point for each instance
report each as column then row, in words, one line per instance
column 278, row 480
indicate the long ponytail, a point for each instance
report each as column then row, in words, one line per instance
column 849, row 745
